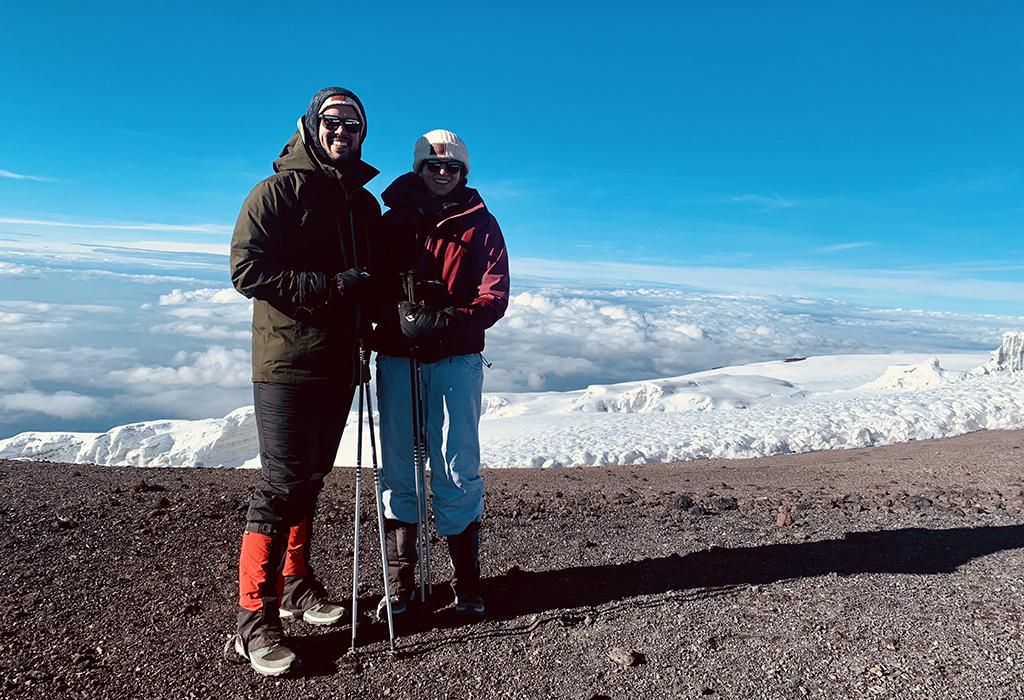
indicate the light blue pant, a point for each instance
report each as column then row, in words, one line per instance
column 452, row 390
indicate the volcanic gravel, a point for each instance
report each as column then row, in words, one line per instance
column 885, row 572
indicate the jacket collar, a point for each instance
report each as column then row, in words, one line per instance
column 408, row 194
column 296, row 155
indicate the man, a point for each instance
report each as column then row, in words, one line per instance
column 441, row 230
column 299, row 250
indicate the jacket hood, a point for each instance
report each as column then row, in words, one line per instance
column 309, row 123
column 408, row 193
column 296, row 156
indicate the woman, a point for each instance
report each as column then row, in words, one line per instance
column 439, row 230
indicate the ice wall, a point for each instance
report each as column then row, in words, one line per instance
column 1010, row 355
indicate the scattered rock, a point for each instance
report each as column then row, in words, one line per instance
column 784, row 519
column 683, row 501
column 65, row 523
column 625, row 657
column 145, row 487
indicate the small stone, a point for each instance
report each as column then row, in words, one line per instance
column 352, row 663
column 65, row 523
column 683, row 501
column 800, row 536
column 723, row 503
column 624, row 657
column 784, row 519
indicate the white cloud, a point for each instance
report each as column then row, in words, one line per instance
column 214, row 296
column 200, row 330
column 558, row 339
column 216, row 366
column 180, row 247
column 864, row 285
column 11, row 270
column 839, row 247
column 767, row 202
column 19, row 176
column 179, row 349
column 12, row 370
column 120, row 226
column 61, row 404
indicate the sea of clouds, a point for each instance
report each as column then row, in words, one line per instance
column 96, row 336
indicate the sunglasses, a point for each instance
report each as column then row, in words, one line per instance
column 331, row 122
column 452, row 166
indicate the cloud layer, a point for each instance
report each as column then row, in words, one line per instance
column 101, row 337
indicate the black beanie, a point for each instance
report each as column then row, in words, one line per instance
column 311, row 120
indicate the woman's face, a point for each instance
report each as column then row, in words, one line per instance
column 438, row 176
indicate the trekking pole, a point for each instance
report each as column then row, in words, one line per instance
column 358, row 508
column 380, row 520
column 415, row 396
column 421, row 403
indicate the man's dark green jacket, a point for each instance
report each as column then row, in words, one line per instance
column 303, row 224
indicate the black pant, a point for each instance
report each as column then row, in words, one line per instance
column 299, row 428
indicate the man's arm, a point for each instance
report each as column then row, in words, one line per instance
column 267, row 217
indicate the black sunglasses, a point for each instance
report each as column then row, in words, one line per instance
column 352, row 126
column 452, row 166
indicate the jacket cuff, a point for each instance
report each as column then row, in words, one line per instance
column 313, row 290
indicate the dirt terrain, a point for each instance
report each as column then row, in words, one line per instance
column 885, row 572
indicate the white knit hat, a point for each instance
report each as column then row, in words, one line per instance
column 440, row 144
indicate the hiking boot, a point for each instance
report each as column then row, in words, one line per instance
column 400, row 540
column 464, row 550
column 323, row 613
column 469, row 606
column 305, row 599
column 276, row 659
column 399, row 604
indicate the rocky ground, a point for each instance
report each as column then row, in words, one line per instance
column 885, row 572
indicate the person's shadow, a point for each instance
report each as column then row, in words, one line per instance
column 522, row 593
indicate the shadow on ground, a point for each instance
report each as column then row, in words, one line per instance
column 914, row 551
column 909, row 551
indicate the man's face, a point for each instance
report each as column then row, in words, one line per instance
column 336, row 140
column 438, row 177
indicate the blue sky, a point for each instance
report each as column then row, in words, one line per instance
column 804, row 136
column 682, row 185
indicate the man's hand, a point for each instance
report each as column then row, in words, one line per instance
column 353, row 284
column 419, row 324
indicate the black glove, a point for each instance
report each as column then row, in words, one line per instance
column 312, row 290
column 354, row 283
column 419, row 324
